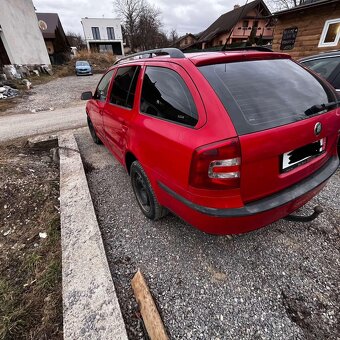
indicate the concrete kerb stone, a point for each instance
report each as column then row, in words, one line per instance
column 43, row 141
column 90, row 305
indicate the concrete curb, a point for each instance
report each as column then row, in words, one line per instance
column 90, row 305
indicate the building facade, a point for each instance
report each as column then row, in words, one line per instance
column 185, row 41
column 57, row 45
column 103, row 35
column 248, row 23
column 21, row 42
column 311, row 28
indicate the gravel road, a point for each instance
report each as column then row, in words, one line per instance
column 279, row 282
column 23, row 124
column 62, row 95
column 59, row 93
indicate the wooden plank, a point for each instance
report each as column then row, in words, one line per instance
column 152, row 320
column 315, row 37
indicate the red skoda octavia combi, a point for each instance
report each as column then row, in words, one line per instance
column 228, row 141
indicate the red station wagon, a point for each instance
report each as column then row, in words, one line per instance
column 228, row 141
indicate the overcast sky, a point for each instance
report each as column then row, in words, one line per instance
column 183, row 15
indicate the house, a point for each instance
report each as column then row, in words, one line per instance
column 57, row 45
column 308, row 29
column 185, row 41
column 103, row 35
column 21, row 42
column 244, row 23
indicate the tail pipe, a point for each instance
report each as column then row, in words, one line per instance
column 295, row 218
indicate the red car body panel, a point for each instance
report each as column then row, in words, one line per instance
column 260, row 151
column 165, row 150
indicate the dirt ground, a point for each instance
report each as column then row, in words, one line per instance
column 60, row 90
column 30, row 251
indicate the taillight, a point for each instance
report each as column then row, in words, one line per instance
column 216, row 165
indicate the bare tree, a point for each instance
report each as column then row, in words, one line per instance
column 76, row 40
column 130, row 11
column 162, row 40
column 142, row 24
column 149, row 34
column 173, row 36
column 277, row 5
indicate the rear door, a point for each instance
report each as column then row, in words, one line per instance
column 271, row 105
column 170, row 112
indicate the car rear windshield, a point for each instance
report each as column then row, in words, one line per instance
column 263, row 94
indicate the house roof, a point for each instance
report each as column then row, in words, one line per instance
column 52, row 23
column 228, row 20
column 183, row 37
column 308, row 4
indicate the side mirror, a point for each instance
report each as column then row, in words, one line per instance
column 86, row 95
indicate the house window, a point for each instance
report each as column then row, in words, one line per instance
column 245, row 23
column 330, row 33
column 110, row 33
column 95, row 33
column 256, row 23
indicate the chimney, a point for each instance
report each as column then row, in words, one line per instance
column 236, row 6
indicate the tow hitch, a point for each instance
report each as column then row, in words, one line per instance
column 317, row 211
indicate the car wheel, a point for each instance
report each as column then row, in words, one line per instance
column 94, row 136
column 144, row 193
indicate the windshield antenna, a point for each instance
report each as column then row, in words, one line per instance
column 232, row 30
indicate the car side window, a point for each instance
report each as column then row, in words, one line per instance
column 124, row 86
column 336, row 82
column 165, row 95
column 324, row 66
column 103, row 87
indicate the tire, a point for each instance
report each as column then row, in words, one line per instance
column 144, row 193
column 94, row 136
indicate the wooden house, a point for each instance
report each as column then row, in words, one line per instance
column 308, row 29
column 248, row 23
column 185, row 41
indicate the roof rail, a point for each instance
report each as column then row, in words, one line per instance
column 172, row 52
column 249, row 48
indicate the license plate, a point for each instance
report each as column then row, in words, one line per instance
column 299, row 156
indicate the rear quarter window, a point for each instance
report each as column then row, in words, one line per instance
column 263, row 94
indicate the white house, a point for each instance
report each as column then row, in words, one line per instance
column 103, row 35
column 21, row 41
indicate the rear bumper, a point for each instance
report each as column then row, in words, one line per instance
column 255, row 214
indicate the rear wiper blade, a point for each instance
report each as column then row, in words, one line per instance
column 318, row 108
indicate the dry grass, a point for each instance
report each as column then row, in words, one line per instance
column 99, row 61
column 30, row 271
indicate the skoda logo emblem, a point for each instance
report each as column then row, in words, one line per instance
column 317, row 128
